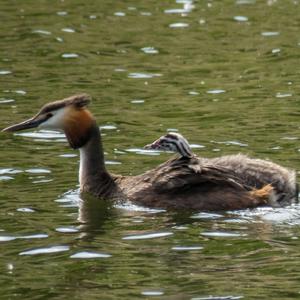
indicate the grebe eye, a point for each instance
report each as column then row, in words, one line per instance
column 49, row 115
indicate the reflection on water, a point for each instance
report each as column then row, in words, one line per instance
column 222, row 234
column 147, row 236
column 89, row 255
column 93, row 213
column 280, row 216
column 48, row 250
column 220, row 72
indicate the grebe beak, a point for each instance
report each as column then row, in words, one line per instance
column 30, row 123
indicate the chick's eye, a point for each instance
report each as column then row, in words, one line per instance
column 49, row 115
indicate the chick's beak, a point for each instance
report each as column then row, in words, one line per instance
column 153, row 146
column 148, row 147
column 30, row 123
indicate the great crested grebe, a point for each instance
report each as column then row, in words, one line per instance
column 179, row 183
column 253, row 172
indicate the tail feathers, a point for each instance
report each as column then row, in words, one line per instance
column 265, row 195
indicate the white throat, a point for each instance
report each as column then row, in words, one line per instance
column 56, row 121
column 82, row 164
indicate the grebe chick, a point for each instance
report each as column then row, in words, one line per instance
column 253, row 172
column 173, row 142
column 179, row 183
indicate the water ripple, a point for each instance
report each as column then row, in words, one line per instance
column 232, row 143
column 216, row 91
column 120, row 70
column 283, row 95
column 136, row 208
column 270, row 33
column 120, row 14
column 187, row 248
column 20, row 92
column 236, row 221
column 147, row 236
column 10, row 171
column 179, row 25
column 283, row 215
column 69, row 30
column 176, row 11
column 89, row 255
column 43, row 32
column 68, row 155
column 290, row 138
column 67, row 229
column 197, row 146
column 143, row 151
column 108, row 127
column 222, row 234
column 38, row 171
column 276, row 50
column 152, row 293
column 112, row 162
column 188, row 6
column 3, row 100
column 209, row 216
column 34, row 236
column 25, row 209
column 218, row 298
column 172, row 129
column 71, row 197
column 46, row 250
column 42, row 134
column 6, row 238
column 240, row 18
column 5, row 72
column 42, row 181
column 143, row 75
column 149, row 50
column 4, row 178
column 146, row 13
column 137, row 101
column 243, row 2
column 62, row 13
column 185, row 1
column 69, row 55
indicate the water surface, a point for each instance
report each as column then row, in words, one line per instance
column 223, row 73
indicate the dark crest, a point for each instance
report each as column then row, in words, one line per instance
column 79, row 101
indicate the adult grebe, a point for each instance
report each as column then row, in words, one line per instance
column 179, row 183
column 255, row 173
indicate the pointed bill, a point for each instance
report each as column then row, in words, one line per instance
column 30, row 123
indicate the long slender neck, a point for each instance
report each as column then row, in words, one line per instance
column 93, row 176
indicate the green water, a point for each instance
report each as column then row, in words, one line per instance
column 223, row 73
